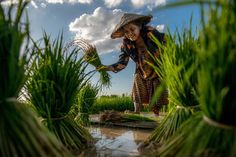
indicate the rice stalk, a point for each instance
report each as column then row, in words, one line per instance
column 57, row 76
column 177, row 67
column 86, row 99
column 112, row 103
column 91, row 56
column 20, row 132
column 212, row 133
column 115, row 116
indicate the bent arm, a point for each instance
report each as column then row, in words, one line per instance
column 122, row 62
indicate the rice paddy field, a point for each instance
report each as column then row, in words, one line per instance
column 47, row 98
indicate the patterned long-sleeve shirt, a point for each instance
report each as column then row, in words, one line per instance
column 129, row 49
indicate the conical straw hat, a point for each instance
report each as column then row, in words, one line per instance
column 127, row 18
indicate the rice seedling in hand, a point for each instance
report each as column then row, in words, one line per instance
column 177, row 68
column 213, row 132
column 21, row 134
column 56, row 78
column 86, row 99
column 91, row 57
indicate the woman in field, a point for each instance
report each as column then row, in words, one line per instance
column 136, row 44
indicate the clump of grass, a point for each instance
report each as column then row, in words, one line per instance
column 177, row 68
column 86, row 98
column 91, row 56
column 56, row 78
column 115, row 116
column 212, row 133
column 135, row 117
column 20, row 132
column 112, row 103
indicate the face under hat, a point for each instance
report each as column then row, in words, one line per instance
column 127, row 18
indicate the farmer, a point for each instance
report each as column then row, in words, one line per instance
column 136, row 44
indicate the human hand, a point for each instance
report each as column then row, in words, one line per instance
column 105, row 68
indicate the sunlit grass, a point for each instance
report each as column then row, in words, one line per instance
column 212, row 132
column 112, row 103
column 57, row 76
column 20, row 132
column 86, row 99
column 177, row 68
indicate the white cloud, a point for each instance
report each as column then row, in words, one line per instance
column 43, row 5
column 160, row 28
column 85, row 1
column 112, row 3
column 34, row 4
column 55, row 1
column 97, row 28
column 9, row 2
column 148, row 3
column 70, row 1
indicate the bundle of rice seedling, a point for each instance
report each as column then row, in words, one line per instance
column 136, row 118
column 91, row 57
column 86, row 99
column 114, row 116
column 57, row 76
column 212, row 133
column 177, row 69
column 21, row 135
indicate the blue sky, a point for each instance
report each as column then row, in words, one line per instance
column 94, row 20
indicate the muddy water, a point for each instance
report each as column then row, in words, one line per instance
column 116, row 141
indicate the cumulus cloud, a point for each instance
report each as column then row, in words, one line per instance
column 85, row 1
column 34, row 4
column 43, row 5
column 112, row 3
column 55, row 1
column 149, row 3
column 69, row 1
column 97, row 28
column 8, row 2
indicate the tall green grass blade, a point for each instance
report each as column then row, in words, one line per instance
column 216, row 90
column 86, row 99
column 57, row 76
column 176, row 67
column 21, row 133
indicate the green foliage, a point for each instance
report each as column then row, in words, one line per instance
column 13, row 34
column 135, row 117
column 86, row 98
column 216, row 77
column 197, row 138
column 56, row 78
column 91, row 57
column 20, row 132
column 112, row 103
column 212, row 133
column 170, row 124
column 177, row 68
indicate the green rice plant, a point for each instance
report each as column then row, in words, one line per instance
column 118, row 117
column 91, row 56
column 177, row 68
column 170, row 124
column 112, row 103
column 135, row 117
column 56, row 78
column 212, row 133
column 21, row 134
column 86, row 98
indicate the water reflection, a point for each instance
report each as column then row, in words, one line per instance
column 115, row 142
